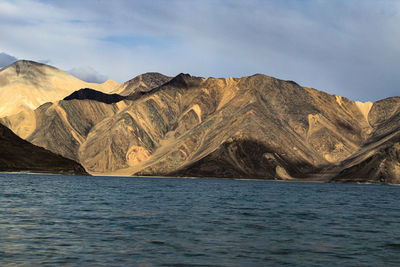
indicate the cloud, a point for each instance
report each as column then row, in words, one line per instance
column 346, row 47
column 88, row 74
column 6, row 60
column 44, row 61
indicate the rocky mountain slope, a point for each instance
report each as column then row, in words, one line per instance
column 252, row 127
column 142, row 83
column 25, row 85
column 19, row 155
column 379, row 157
column 63, row 126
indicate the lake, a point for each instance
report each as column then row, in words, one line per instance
column 117, row 221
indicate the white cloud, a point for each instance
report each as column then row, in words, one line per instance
column 88, row 74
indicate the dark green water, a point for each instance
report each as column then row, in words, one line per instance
column 93, row 221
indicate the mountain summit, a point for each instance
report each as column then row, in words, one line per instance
column 142, row 83
column 25, row 85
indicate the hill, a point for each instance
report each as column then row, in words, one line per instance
column 19, row 155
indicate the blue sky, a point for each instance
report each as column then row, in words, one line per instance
column 345, row 47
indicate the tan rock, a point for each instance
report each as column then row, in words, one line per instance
column 25, row 85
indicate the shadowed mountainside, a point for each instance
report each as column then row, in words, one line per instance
column 25, row 85
column 90, row 94
column 250, row 127
column 19, row 155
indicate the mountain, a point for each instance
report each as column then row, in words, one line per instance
column 19, row 155
column 25, row 85
column 250, row 127
column 142, row 83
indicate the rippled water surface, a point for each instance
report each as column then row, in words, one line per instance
column 92, row 221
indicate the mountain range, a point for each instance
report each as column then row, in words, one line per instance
column 185, row 126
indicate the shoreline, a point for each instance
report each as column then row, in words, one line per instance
column 202, row 178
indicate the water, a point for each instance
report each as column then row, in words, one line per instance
column 94, row 221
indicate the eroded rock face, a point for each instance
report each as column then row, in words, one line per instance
column 378, row 159
column 252, row 127
column 379, row 165
column 19, row 155
column 305, row 130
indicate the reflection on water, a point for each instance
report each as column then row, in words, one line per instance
column 73, row 220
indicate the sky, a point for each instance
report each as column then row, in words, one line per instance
column 346, row 47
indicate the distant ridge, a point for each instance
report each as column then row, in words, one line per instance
column 90, row 94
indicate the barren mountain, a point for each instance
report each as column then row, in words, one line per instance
column 142, row 83
column 25, row 85
column 252, row 127
column 19, row 155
